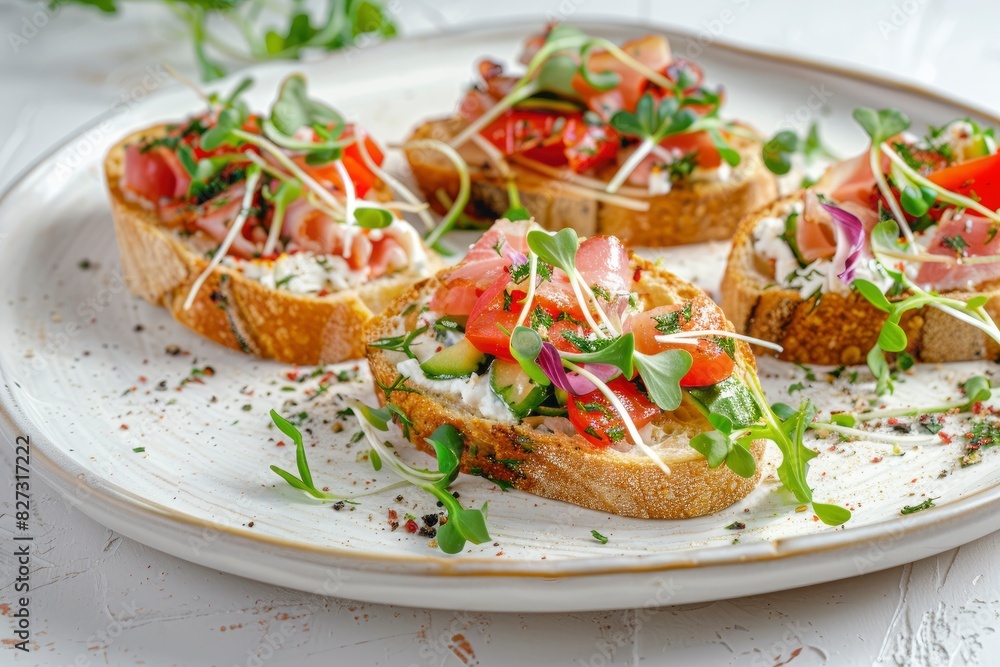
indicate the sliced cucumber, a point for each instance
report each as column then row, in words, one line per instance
column 457, row 361
column 729, row 398
column 518, row 391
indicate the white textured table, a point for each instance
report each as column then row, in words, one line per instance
column 100, row 599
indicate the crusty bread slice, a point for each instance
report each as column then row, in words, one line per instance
column 564, row 465
column 692, row 212
column 840, row 329
column 231, row 308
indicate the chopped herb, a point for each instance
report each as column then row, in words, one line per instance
column 727, row 345
column 809, row 372
column 540, row 318
column 736, row 525
column 601, row 293
column 600, row 538
column 798, row 386
column 911, row 509
column 399, row 343
column 138, row 450
column 586, row 345
column 956, row 243
column 670, row 323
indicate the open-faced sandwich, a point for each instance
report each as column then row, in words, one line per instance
column 894, row 251
column 601, row 138
column 271, row 234
column 575, row 371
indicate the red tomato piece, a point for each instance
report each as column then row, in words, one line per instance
column 597, row 420
column 700, row 142
column 493, row 318
column 977, row 179
column 712, row 364
column 588, row 146
column 535, row 134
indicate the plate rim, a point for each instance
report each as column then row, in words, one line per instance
column 67, row 476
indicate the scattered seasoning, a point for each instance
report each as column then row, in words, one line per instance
column 173, row 350
column 339, row 505
column 431, row 519
column 393, row 520
column 983, row 435
column 250, row 525
column 600, row 538
column 85, row 264
column 247, row 408
column 138, row 328
column 138, row 450
column 411, row 526
column 736, row 525
column 910, row 509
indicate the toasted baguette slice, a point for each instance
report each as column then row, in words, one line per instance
column 231, row 308
column 564, row 465
column 692, row 212
column 840, row 329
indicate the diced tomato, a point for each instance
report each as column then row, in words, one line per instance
column 354, row 152
column 557, row 338
column 327, row 176
column 587, row 145
column 712, row 364
column 493, row 318
column 651, row 50
column 977, row 179
column 599, row 422
column 535, row 134
column 700, row 142
column 155, row 174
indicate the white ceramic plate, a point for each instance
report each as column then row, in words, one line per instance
column 83, row 361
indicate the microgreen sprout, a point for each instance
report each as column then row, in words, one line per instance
column 304, row 481
column 779, row 150
column 892, row 337
column 462, row 525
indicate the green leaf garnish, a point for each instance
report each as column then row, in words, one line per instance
column 881, row 125
column 372, row 218
column 662, row 373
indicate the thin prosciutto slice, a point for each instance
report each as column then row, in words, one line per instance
column 981, row 239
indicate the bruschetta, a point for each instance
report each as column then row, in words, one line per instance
column 894, row 250
column 602, row 138
column 272, row 234
column 577, row 371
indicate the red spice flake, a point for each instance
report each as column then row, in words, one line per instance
column 892, row 421
column 945, row 438
column 291, row 375
column 280, row 443
column 124, row 427
column 393, row 520
column 411, row 526
column 637, row 276
column 877, row 459
column 977, row 407
column 142, row 378
column 322, row 293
